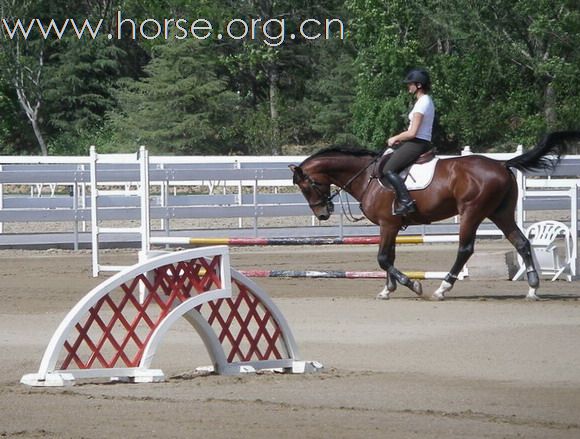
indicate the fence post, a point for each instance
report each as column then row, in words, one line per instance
column 1, row 202
column 94, row 208
column 574, row 226
column 145, row 202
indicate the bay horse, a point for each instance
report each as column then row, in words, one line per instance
column 475, row 187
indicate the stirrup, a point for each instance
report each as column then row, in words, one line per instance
column 406, row 208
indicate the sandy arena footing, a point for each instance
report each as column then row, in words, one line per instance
column 484, row 363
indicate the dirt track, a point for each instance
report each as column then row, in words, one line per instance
column 483, row 364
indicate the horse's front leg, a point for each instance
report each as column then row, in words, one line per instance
column 386, row 259
column 391, row 283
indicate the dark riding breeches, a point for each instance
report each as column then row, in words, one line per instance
column 405, row 154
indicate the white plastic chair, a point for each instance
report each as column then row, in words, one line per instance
column 543, row 236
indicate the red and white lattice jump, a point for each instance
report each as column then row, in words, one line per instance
column 115, row 330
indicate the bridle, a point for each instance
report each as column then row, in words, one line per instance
column 326, row 200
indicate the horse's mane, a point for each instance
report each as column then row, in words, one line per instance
column 342, row 150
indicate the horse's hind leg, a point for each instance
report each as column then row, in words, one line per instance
column 522, row 245
column 504, row 219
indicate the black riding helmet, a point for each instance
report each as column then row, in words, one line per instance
column 418, row 76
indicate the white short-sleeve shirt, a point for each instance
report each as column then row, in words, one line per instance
column 426, row 107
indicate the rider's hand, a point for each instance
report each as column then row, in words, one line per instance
column 393, row 141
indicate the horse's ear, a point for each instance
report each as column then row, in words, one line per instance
column 297, row 170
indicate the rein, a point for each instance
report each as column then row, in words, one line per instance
column 337, row 192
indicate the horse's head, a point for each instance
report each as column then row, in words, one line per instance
column 317, row 193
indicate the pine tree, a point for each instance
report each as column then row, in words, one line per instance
column 181, row 106
column 78, row 92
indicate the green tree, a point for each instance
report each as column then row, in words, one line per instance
column 15, row 134
column 271, row 71
column 250, row 95
column 520, row 55
column 503, row 72
column 23, row 61
column 181, row 106
column 329, row 96
column 79, row 83
column 386, row 37
column 5, row 111
column 62, row 85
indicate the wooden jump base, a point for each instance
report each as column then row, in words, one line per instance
column 115, row 330
column 352, row 240
column 420, row 275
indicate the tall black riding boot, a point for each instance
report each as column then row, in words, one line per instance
column 406, row 203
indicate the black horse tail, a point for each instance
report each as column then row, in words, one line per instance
column 546, row 155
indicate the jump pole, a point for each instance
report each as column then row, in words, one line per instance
column 333, row 274
column 352, row 240
column 319, row 274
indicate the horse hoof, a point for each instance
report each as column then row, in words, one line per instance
column 532, row 296
column 417, row 287
column 437, row 297
column 439, row 293
column 385, row 294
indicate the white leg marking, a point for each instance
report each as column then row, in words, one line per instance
column 385, row 294
column 439, row 294
column 532, row 294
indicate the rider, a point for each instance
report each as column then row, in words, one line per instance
column 413, row 142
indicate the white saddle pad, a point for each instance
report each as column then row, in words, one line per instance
column 420, row 176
